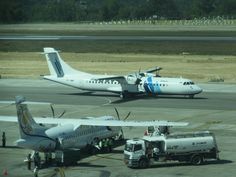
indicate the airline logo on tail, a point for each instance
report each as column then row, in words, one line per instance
column 53, row 57
column 25, row 121
column 26, row 124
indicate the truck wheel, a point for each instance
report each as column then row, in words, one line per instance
column 196, row 160
column 143, row 163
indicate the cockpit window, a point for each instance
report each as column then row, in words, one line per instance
column 188, row 83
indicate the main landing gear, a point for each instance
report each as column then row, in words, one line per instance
column 124, row 95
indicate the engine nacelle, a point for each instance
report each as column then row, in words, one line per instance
column 131, row 79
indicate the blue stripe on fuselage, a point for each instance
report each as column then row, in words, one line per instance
column 150, row 84
column 150, row 88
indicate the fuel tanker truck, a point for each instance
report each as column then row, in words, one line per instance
column 193, row 148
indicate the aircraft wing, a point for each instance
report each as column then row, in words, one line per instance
column 105, row 121
column 151, row 70
column 123, row 79
column 121, row 123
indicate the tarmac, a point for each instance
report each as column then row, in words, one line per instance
column 212, row 110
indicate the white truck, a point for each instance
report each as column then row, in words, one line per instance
column 188, row 147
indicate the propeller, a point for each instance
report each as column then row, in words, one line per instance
column 62, row 114
column 138, row 76
column 117, row 113
column 118, row 116
column 53, row 112
column 127, row 116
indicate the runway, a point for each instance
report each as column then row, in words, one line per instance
column 212, row 110
column 59, row 94
column 115, row 38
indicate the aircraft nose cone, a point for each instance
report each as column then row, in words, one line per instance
column 199, row 90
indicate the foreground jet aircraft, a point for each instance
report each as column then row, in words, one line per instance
column 69, row 133
column 137, row 83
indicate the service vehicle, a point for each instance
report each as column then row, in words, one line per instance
column 185, row 147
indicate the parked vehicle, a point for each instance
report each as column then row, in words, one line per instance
column 188, row 147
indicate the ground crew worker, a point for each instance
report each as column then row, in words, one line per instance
column 50, row 157
column 29, row 161
column 103, row 145
column 106, row 145
column 3, row 139
column 36, row 171
column 100, row 145
column 46, row 157
column 110, row 144
column 37, row 160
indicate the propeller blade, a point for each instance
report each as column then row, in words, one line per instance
column 53, row 112
column 62, row 114
column 117, row 113
column 127, row 115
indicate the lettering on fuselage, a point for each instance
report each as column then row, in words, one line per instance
column 199, row 143
column 172, row 147
column 103, row 82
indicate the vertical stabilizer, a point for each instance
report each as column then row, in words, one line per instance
column 27, row 125
column 32, row 135
column 56, row 65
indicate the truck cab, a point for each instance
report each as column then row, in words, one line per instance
column 134, row 150
column 138, row 152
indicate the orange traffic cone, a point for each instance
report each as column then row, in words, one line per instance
column 5, row 172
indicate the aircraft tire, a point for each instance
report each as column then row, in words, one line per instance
column 124, row 94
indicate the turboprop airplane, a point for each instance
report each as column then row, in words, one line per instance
column 69, row 133
column 137, row 83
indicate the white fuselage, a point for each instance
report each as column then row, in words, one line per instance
column 65, row 137
column 149, row 85
column 87, row 135
column 136, row 83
